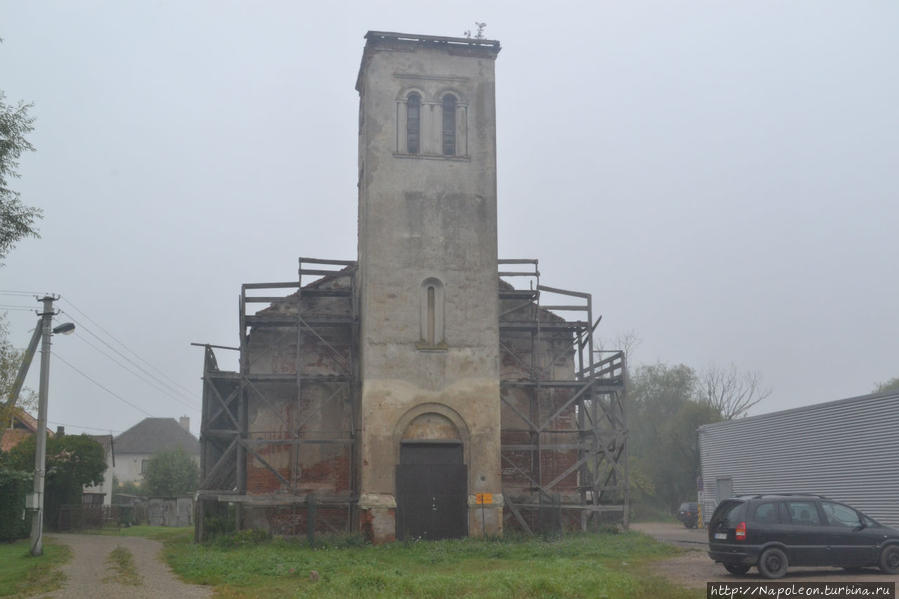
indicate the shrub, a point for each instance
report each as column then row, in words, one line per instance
column 14, row 485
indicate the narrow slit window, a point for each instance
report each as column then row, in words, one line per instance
column 413, row 123
column 449, row 125
column 432, row 318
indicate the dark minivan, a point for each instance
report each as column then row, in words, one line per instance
column 774, row 532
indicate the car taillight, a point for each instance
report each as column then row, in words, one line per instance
column 741, row 531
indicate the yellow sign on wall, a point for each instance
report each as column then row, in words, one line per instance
column 483, row 498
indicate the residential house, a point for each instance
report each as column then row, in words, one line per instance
column 135, row 447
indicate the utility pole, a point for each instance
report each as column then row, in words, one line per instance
column 40, row 452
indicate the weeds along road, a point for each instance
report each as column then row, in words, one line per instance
column 99, row 571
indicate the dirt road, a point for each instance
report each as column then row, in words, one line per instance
column 694, row 568
column 89, row 575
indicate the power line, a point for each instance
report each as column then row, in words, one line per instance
column 88, row 377
column 17, row 308
column 136, row 374
column 134, row 353
column 89, row 428
column 126, row 358
column 14, row 292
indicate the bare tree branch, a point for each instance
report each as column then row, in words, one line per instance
column 731, row 391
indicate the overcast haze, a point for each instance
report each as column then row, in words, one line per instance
column 721, row 176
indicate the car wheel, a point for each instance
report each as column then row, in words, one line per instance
column 738, row 569
column 773, row 563
column 889, row 559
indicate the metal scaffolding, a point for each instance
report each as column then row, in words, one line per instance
column 569, row 457
column 225, row 439
column 563, row 457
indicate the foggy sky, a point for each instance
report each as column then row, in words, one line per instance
column 721, row 176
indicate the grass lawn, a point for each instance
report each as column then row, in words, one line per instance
column 156, row 533
column 606, row 566
column 22, row 575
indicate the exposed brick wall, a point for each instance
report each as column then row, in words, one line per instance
column 322, row 412
column 549, row 357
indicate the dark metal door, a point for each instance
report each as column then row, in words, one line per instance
column 432, row 495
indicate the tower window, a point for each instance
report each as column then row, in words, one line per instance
column 413, row 123
column 449, row 125
column 432, row 316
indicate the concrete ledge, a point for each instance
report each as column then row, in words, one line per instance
column 376, row 500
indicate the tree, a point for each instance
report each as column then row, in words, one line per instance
column 171, row 473
column 73, row 461
column 731, row 392
column 887, row 386
column 16, row 219
column 664, row 412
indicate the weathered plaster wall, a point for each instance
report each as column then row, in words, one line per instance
column 427, row 216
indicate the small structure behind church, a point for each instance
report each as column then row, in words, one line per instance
column 427, row 389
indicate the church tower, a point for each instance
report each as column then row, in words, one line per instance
column 429, row 418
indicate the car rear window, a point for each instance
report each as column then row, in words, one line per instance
column 729, row 513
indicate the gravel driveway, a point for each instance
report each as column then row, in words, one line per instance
column 86, row 572
column 694, row 568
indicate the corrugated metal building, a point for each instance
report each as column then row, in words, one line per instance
column 847, row 450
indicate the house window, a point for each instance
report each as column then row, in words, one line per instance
column 413, row 123
column 143, row 466
column 449, row 125
column 432, row 316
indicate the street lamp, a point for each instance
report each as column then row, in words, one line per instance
column 40, row 453
column 66, row 328
column 42, row 332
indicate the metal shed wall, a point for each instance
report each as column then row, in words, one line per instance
column 847, row 450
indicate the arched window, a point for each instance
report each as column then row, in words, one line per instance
column 449, row 125
column 432, row 321
column 413, row 123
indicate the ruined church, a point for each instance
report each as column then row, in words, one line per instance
column 426, row 389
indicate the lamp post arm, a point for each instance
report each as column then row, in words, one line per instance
column 26, row 363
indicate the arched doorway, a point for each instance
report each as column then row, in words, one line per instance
column 431, row 480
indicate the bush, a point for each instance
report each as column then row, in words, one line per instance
column 14, row 485
column 73, row 461
column 171, row 473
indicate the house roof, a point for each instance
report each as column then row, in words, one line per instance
column 156, row 434
column 23, row 426
column 26, row 421
column 12, row 437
